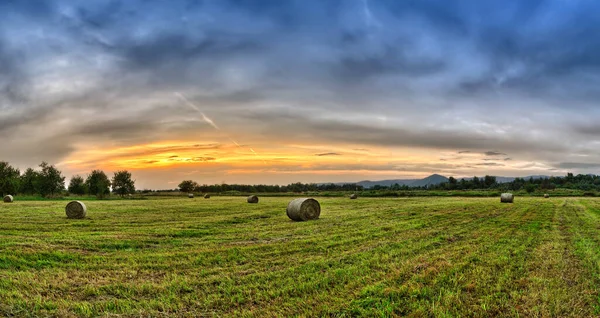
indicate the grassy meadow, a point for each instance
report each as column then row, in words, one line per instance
column 371, row 257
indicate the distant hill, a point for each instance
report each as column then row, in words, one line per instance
column 511, row 179
column 387, row 183
column 433, row 179
column 503, row 179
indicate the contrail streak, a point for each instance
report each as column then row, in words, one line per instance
column 204, row 117
column 210, row 121
column 235, row 142
column 370, row 20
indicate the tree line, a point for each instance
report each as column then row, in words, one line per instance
column 570, row 181
column 48, row 181
column 585, row 182
column 193, row 186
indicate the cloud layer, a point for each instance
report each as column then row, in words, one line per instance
column 296, row 86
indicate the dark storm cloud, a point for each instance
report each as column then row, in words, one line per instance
column 201, row 159
column 116, row 128
column 328, row 154
column 12, row 79
column 178, row 47
column 490, row 164
column 389, row 62
column 443, row 139
column 431, row 74
column 538, row 59
column 494, row 153
column 486, row 153
column 160, row 150
column 578, row 165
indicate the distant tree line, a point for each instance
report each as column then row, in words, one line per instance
column 48, row 181
column 583, row 182
column 570, row 181
column 192, row 186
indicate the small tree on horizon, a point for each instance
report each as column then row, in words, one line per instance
column 187, row 186
column 29, row 182
column 50, row 180
column 530, row 188
column 98, row 184
column 122, row 183
column 9, row 179
column 77, row 185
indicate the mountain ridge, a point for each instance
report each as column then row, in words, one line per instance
column 433, row 179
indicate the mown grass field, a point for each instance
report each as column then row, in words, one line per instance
column 422, row 257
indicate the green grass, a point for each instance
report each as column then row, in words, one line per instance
column 372, row 257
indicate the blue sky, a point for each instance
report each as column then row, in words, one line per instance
column 301, row 90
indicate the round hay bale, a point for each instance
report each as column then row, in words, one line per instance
column 303, row 209
column 546, row 195
column 354, row 196
column 76, row 210
column 507, row 198
column 252, row 199
column 190, row 195
column 207, row 196
column 8, row 198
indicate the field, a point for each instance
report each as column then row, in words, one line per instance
column 422, row 257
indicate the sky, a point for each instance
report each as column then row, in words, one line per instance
column 281, row 91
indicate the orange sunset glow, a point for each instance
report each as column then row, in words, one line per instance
column 217, row 161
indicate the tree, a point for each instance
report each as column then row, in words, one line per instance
column 9, row 179
column 29, row 182
column 122, row 183
column 489, row 181
column 50, row 180
column 77, row 185
column 452, row 183
column 187, row 186
column 98, row 184
column 530, row 188
column 476, row 183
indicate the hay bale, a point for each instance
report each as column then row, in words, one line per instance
column 8, row 198
column 303, row 209
column 546, row 195
column 207, row 196
column 190, row 195
column 507, row 198
column 354, row 196
column 252, row 199
column 76, row 210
